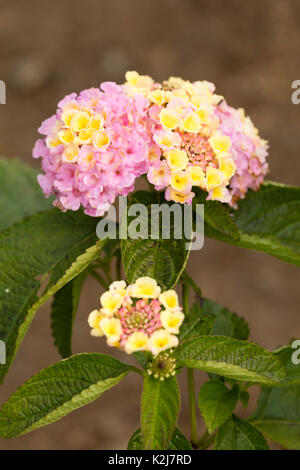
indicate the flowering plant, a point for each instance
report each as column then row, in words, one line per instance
column 193, row 149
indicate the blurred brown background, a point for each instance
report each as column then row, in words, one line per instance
column 250, row 50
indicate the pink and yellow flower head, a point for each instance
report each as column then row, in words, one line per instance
column 138, row 317
column 181, row 134
column 203, row 141
column 94, row 147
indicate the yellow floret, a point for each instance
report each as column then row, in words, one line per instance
column 169, row 299
column 53, row 141
column 66, row 136
column 197, row 100
column 94, row 322
column 169, row 119
column 119, row 287
column 70, row 154
column 197, row 176
column 216, row 99
column 111, row 301
column 67, row 116
column 177, row 159
column 180, row 181
column 132, row 77
column 158, row 97
column 220, row 143
column 227, row 166
column 172, row 321
column 96, row 122
column 84, row 137
column 146, row 288
column 214, row 177
column 79, row 121
column 177, row 196
column 137, row 341
column 204, row 116
column 189, row 87
column 221, row 194
column 175, row 82
column 100, row 139
column 112, row 328
column 161, row 340
column 180, row 93
column 192, row 123
column 141, row 82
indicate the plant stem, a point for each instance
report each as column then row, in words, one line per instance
column 206, row 440
column 100, row 279
column 205, row 444
column 118, row 268
column 203, row 439
column 185, row 298
column 192, row 401
column 190, row 374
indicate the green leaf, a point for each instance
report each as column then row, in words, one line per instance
column 278, row 411
column 136, row 441
column 236, row 434
column 227, row 323
column 59, row 389
column 217, row 216
column 63, row 311
column 143, row 357
column 159, row 412
column 217, row 403
column 178, row 441
column 268, row 221
column 232, row 358
column 286, row 356
column 162, row 259
column 194, row 325
column 48, row 243
column 278, row 415
column 21, row 195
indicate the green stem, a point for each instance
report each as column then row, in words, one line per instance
column 108, row 274
column 192, row 402
column 188, row 280
column 190, row 375
column 100, row 279
column 205, row 444
column 203, row 439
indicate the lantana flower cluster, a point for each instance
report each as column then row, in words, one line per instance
column 178, row 133
column 95, row 146
column 138, row 317
column 203, row 141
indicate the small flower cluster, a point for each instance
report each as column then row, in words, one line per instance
column 162, row 366
column 203, row 141
column 138, row 317
column 94, row 148
column 181, row 134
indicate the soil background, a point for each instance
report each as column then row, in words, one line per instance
column 250, row 50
